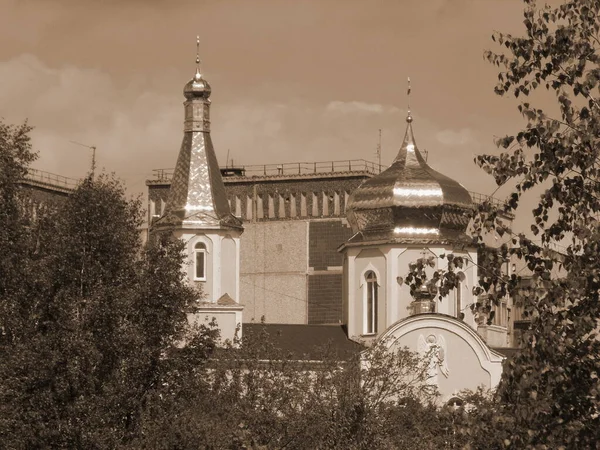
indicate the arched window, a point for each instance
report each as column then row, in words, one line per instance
column 459, row 305
column 200, row 262
column 370, row 310
column 456, row 402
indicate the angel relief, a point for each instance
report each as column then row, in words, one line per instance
column 434, row 348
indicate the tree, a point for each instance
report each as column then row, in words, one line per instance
column 103, row 317
column 550, row 391
column 259, row 397
column 15, row 238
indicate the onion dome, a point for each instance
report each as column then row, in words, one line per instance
column 409, row 201
column 197, row 87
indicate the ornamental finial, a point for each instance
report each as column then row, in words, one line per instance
column 198, row 74
column 409, row 118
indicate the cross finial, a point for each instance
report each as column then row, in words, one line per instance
column 408, row 117
column 198, row 75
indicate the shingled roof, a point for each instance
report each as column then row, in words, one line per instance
column 307, row 342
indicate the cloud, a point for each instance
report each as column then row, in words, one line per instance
column 355, row 107
column 463, row 136
column 131, row 124
column 136, row 123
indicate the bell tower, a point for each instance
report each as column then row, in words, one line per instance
column 406, row 213
column 198, row 212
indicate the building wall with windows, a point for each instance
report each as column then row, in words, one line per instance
column 294, row 218
column 294, row 221
column 290, row 270
column 387, row 265
column 45, row 190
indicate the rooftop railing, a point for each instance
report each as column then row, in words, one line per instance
column 310, row 168
column 480, row 198
column 307, row 168
column 51, row 179
column 297, row 168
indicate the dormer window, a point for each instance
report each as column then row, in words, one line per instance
column 200, row 262
column 370, row 306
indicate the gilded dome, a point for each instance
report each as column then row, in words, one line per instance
column 197, row 87
column 409, row 200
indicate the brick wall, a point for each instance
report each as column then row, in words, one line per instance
column 325, row 298
column 325, row 286
column 324, row 239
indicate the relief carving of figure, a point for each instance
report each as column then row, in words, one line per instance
column 435, row 349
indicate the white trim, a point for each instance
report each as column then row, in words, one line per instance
column 369, row 268
column 204, row 239
column 236, row 240
column 217, row 265
column 350, row 293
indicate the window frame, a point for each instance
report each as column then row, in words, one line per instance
column 371, row 295
column 458, row 300
column 200, row 248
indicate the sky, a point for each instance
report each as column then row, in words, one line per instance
column 303, row 80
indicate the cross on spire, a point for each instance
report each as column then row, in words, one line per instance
column 408, row 117
column 408, row 93
column 198, row 74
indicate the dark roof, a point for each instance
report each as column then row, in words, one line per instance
column 226, row 300
column 307, row 342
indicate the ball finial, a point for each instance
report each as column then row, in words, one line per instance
column 197, row 87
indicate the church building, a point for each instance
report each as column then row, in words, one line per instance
column 389, row 219
column 197, row 212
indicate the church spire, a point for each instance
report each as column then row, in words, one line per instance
column 409, row 151
column 197, row 196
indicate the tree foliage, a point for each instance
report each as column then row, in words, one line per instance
column 15, row 236
column 90, row 318
column 260, row 397
column 549, row 392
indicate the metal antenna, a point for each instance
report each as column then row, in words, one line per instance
column 93, row 148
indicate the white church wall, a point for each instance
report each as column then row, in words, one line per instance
column 367, row 260
column 229, row 271
column 227, row 319
column 461, row 359
column 191, row 238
